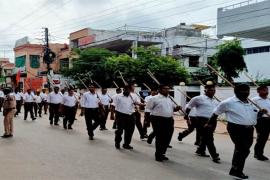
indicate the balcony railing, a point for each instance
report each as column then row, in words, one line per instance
column 241, row 4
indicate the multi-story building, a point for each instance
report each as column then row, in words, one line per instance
column 29, row 60
column 6, row 68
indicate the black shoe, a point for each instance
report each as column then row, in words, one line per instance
column 5, row 136
column 170, row 146
column 180, row 138
column 91, row 138
column 261, row 157
column 216, row 160
column 70, row 127
column 149, row 140
column 238, row 174
column 159, row 159
column 127, row 147
column 165, row 158
column 114, row 127
column 56, row 124
column 39, row 115
column 34, row 119
column 202, row 154
column 197, row 143
column 65, row 127
column 117, row 145
column 144, row 136
column 24, row 119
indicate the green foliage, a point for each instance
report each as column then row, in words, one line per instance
column 230, row 59
column 105, row 67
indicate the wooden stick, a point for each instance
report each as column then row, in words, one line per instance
column 215, row 71
column 83, row 83
column 147, row 86
column 250, row 78
column 125, row 83
column 115, row 84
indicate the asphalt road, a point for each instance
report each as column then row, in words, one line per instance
column 40, row 151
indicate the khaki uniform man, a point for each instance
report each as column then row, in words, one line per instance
column 9, row 107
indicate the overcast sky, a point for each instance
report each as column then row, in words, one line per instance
column 21, row 18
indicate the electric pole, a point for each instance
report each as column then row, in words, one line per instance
column 48, row 55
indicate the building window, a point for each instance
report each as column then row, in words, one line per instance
column 20, row 61
column 64, row 64
column 34, row 61
column 194, row 61
column 256, row 50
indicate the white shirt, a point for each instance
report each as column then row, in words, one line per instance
column 38, row 99
column 89, row 100
column 105, row 99
column 69, row 101
column 263, row 103
column 28, row 97
column 160, row 105
column 113, row 103
column 55, row 98
column 18, row 96
column 124, row 104
column 237, row 112
column 2, row 95
column 146, row 100
column 204, row 105
column 43, row 96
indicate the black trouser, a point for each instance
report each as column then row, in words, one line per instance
column 28, row 107
column 152, row 135
column 163, row 128
column 37, row 109
column 45, row 105
column 104, row 118
column 54, row 113
column 1, row 103
column 242, row 137
column 69, row 116
column 146, row 122
column 138, row 122
column 115, row 119
column 190, row 129
column 263, row 130
column 18, row 106
column 206, row 137
column 125, row 122
column 92, row 114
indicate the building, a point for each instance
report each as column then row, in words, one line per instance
column 248, row 19
column 250, row 22
column 29, row 60
column 6, row 68
column 122, row 40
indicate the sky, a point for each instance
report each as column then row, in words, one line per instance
column 20, row 18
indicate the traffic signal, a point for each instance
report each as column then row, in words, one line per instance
column 49, row 56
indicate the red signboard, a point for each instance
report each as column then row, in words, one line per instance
column 33, row 83
column 86, row 40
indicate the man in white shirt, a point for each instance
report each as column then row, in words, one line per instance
column 147, row 119
column 162, row 109
column 54, row 100
column 205, row 105
column 263, row 123
column 69, row 109
column 125, row 106
column 38, row 104
column 28, row 104
column 44, row 102
column 2, row 96
column 105, row 101
column 19, row 99
column 241, row 116
column 113, row 110
column 91, row 105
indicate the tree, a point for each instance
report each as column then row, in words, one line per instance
column 230, row 60
column 89, row 62
column 104, row 67
column 165, row 68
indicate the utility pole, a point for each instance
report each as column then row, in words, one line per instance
column 48, row 55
